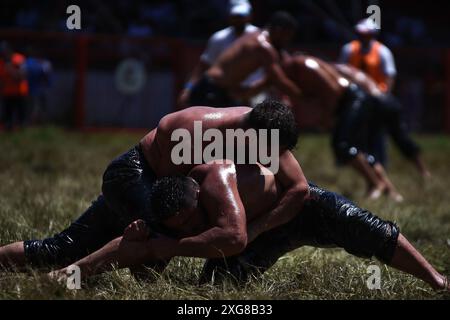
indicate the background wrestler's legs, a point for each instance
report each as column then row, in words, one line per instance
column 376, row 185
column 391, row 190
column 376, row 148
column 348, row 137
column 397, row 129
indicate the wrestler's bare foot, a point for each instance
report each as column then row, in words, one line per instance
column 395, row 195
column 445, row 286
column 441, row 283
column 376, row 191
column 59, row 276
column 426, row 175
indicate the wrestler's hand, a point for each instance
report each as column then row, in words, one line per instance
column 60, row 276
column 136, row 231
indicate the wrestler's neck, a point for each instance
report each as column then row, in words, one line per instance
column 239, row 31
column 239, row 121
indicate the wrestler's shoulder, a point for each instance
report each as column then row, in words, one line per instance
column 213, row 167
column 222, row 34
column 213, row 170
column 186, row 117
column 187, row 114
column 197, row 112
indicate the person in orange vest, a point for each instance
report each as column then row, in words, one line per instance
column 376, row 60
column 370, row 56
column 13, row 86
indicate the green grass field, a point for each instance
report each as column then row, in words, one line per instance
column 49, row 177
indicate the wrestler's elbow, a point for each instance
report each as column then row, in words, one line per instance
column 237, row 241
column 300, row 191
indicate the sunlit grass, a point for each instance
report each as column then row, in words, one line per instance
column 49, row 176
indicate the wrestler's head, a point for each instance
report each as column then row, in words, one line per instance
column 240, row 16
column 282, row 27
column 174, row 202
column 272, row 114
column 366, row 30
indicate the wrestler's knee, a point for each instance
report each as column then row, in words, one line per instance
column 344, row 153
column 387, row 248
column 42, row 253
column 368, row 235
column 56, row 251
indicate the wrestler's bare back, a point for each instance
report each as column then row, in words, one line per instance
column 315, row 77
column 245, row 56
column 157, row 145
column 360, row 78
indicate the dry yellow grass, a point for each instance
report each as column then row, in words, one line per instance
column 49, row 177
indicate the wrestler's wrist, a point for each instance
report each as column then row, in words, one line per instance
column 174, row 249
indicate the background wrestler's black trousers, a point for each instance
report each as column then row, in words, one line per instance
column 386, row 116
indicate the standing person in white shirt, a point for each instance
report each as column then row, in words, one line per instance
column 239, row 20
column 224, row 84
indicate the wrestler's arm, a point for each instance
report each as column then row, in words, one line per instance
column 277, row 77
column 197, row 73
column 296, row 190
column 247, row 92
column 226, row 237
column 226, row 215
column 358, row 77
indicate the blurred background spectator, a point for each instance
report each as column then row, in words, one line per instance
column 167, row 37
column 321, row 21
column 38, row 70
column 14, row 86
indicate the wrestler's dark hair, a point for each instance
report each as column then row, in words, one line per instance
column 168, row 196
column 272, row 114
column 283, row 20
